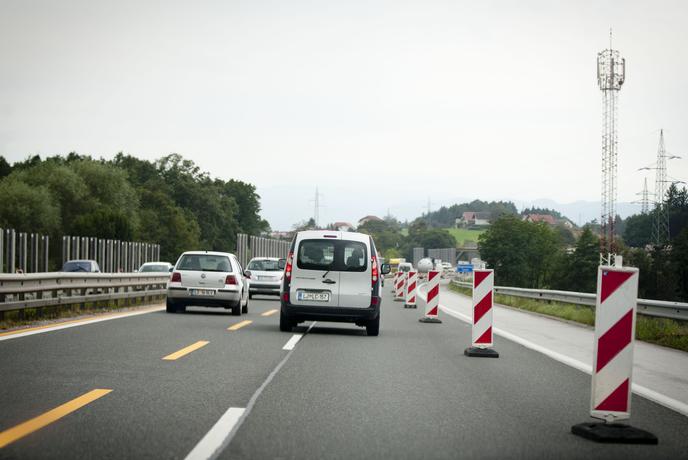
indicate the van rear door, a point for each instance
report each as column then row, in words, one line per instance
column 315, row 282
column 355, row 290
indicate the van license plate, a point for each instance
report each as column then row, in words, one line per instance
column 203, row 292
column 313, row 296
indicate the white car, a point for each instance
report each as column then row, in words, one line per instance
column 265, row 274
column 155, row 267
column 208, row 279
column 332, row 276
column 405, row 267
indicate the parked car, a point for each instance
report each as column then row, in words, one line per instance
column 208, row 279
column 155, row 267
column 86, row 266
column 265, row 274
column 332, row 276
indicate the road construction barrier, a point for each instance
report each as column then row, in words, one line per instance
column 610, row 400
column 432, row 301
column 399, row 286
column 483, row 298
column 410, row 290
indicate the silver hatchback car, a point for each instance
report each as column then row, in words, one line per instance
column 207, row 279
column 266, row 275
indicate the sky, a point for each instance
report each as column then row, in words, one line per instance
column 383, row 105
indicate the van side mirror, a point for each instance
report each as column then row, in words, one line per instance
column 281, row 264
column 386, row 268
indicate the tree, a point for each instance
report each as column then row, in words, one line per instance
column 5, row 168
column 578, row 271
column 28, row 208
column 522, row 253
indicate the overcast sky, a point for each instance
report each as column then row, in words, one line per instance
column 380, row 104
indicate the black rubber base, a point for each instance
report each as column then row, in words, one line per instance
column 475, row 352
column 409, row 306
column 433, row 320
column 613, row 433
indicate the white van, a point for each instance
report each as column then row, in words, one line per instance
column 332, row 276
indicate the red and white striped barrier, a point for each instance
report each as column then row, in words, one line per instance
column 399, row 286
column 483, row 299
column 432, row 303
column 410, row 290
column 615, row 313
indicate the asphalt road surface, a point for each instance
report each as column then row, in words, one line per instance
column 332, row 393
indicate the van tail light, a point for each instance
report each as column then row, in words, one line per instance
column 287, row 267
column 374, row 301
column 231, row 280
column 375, row 272
column 285, row 296
column 176, row 277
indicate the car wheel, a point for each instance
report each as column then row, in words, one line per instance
column 286, row 323
column 245, row 308
column 373, row 327
column 171, row 306
column 236, row 309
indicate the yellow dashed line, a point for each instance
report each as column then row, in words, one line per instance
column 239, row 325
column 35, row 424
column 186, row 350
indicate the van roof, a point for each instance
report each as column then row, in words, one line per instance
column 334, row 234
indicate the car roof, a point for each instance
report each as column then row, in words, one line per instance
column 265, row 258
column 210, row 253
column 80, row 260
column 155, row 263
column 348, row 236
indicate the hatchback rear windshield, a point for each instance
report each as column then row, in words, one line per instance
column 266, row 265
column 333, row 255
column 154, row 268
column 77, row 267
column 204, row 262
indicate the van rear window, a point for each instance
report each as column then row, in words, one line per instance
column 333, row 255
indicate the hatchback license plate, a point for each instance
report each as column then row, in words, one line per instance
column 203, row 292
column 313, row 296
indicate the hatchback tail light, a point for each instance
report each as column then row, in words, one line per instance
column 176, row 277
column 231, row 280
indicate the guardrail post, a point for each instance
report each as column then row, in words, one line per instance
column 23, row 236
column 46, row 253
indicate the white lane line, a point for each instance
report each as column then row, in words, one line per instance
column 76, row 323
column 645, row 392
column 292, row 342
column 214, row 438
column 225, row 435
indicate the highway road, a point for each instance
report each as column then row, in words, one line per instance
column 326, row 391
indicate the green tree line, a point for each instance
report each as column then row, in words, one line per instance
column 169, row 201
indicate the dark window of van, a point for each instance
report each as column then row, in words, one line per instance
column 333, row 255
column 316, row 255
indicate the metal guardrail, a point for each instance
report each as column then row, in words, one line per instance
column 18, row 292
column 657, row 308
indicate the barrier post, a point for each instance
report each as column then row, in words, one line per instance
column 433, row 300
column 410, row 291
column 481, row 332
column 399, row 286
column 612, row 370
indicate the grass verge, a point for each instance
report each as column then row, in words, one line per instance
column 44, row 315
column 661, row 331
